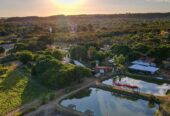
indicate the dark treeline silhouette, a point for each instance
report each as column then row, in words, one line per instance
column 127, row 15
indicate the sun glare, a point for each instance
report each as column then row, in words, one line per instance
column 68, row 7
column 68, row 3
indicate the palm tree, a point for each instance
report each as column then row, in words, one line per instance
column 119, row 61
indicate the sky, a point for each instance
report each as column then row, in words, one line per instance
column 11, row 8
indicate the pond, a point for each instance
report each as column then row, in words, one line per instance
column 146, row 87
column 104, row 103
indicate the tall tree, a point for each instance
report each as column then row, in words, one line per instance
column 78, row 53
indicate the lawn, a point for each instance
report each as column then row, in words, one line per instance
column 17, row 88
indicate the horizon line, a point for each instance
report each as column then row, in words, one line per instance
column 86, row 14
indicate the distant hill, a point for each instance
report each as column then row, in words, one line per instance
column 53, row 18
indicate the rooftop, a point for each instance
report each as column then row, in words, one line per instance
column 144, row 68
column 144, row 63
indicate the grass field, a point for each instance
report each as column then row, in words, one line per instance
column 17, row 89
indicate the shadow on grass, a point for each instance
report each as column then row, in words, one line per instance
column 10, row 81
column 18, row 89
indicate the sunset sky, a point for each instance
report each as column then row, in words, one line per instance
column 9, row 8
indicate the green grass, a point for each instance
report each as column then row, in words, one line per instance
column 17, row 89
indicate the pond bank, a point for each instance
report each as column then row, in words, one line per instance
column 138, row 95
column 57, row 106
column 147, row 78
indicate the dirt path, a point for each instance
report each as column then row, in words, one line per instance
column 53, row 107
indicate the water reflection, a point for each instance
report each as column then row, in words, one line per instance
column 145, row 87
column 104, row 103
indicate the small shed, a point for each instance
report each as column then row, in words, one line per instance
column 103, row 69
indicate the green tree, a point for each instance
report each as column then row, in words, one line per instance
column 91, row 53
column 25, row 56
column 119, row 61
column 58, row 54
column 54, row 74
column 118, row 49
column 33, row 46
column 2, row 50
column 134, row 56
column 78, row 53
column 19, row 47
column 46, row 40
column 100, row 55
column 161, row 52
column 141, row 48
column 82, row 72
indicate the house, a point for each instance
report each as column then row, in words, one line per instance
column 103, row 69
column 143, row 67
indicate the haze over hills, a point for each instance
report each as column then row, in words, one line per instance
column 128, row 15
